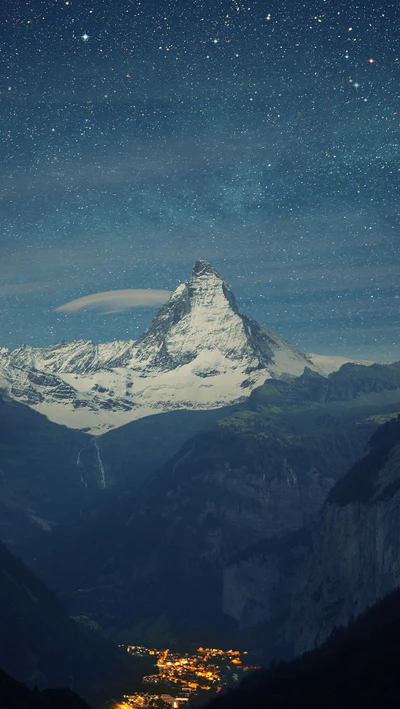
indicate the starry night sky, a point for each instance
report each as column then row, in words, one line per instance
column 264, row 136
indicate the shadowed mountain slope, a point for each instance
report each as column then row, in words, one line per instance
column 16, row 695
column 48, row 472
column 288, row 594
column 41, row 645
column 356, row 667
column 153, row 557
column 39, row 475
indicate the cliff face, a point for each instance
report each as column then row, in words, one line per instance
column 354, row 558
column 357, row 667
column 297, row 589
column 257, row 591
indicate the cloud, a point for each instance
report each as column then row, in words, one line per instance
column 116, row 300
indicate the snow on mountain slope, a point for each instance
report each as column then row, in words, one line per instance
column 80, row 356
column 202, row 316
column 331, row 363
column 199, row 352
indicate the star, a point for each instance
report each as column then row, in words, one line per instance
column 85, row 37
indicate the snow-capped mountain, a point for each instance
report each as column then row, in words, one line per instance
column 199, row 352
column 79, row 356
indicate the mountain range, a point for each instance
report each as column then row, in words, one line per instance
column 48, row 471
column 199, row 352
column 152, row 558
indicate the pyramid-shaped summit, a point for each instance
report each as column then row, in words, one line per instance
column 201, row 324
column 199, row 352
column 202, row 267
column 200, row 316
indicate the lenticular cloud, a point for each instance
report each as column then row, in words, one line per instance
column 116, row 300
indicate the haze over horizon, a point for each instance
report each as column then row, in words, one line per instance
column 140, row 137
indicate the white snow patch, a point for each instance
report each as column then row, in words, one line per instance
column 185, row 387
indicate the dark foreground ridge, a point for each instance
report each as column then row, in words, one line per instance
column 42, row 646
column 15, row 695
column 357, row 667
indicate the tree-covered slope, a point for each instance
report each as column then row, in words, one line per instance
column 356, row 667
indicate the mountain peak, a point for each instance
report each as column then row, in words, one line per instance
column 203, row 267
column 202, row 329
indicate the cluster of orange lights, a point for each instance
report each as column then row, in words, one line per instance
column 186, row 673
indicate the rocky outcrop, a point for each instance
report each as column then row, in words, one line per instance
column 354, row 558
column 258, row 587
column 299, row 588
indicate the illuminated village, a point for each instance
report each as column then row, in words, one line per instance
column 181, row 677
